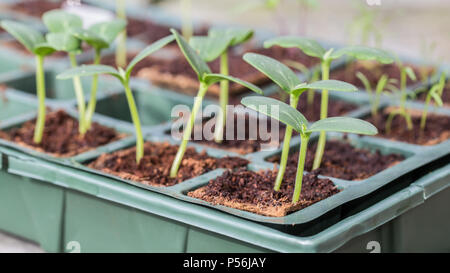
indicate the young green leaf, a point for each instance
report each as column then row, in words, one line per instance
column 60, row 21
column 213, row 78
column 276, row 71
column 27, row 36
column 332, row 85
column 308, row 46
column 109, row 31
column 147, row 51
column 63, row 42
column 364, row 53
column 283, row 112
column 210, row 48
column 199, row 66
column 344, row 125
column 88, row 70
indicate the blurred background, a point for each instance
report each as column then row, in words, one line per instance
column 417, row 28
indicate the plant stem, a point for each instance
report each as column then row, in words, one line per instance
column 93, row 100
column 136, row 121
column 188, row 131
column 121, row 50
column 224, row 88
column 423, row 120
column 323, row 114
column 300, row 168
column 80, row 97
column 186, row 28
column 285, row 151
column 40, row 83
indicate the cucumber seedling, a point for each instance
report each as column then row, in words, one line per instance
column 435, row 93
column 314, row 49
column 405, row 73
column 36, row 43
column 286, row 79
column 206, row 79
column 293, row 118
column 124, row 78
column 216, row 45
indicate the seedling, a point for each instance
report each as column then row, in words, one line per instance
column 434, row 93
column 314, row 49
column 124, row 78
column 286, row 79
column 293, row 118
column 60, row 23
column 186, row 26
column 312, row 74
column 34, row 42
column 375, row 95
column 210, row 48
column 405, row 73
column 121, row 50
column 305, row 7
column 206, row 79
column 100, row 36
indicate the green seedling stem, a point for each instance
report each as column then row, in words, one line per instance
column 121, row 50
column 375, row 95
column 402, row 111
column 93, row 99
column 186, row 28
column 290, row 84
column 434, row 93
column 40, row 83
column 36, row 43
column 291, row 117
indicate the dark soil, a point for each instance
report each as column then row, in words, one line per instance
column 16, row 45
column 154, row 167
column 373, row 71
column 437, row 128
column 445, row 96
column 36, row 8
column 336, row 108
column 253, row 191
column 61, row 137
column 344, row 161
